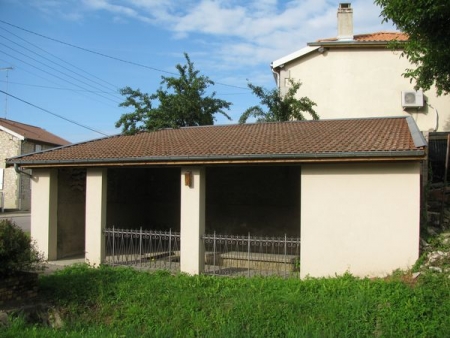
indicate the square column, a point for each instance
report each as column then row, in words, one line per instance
column 192, row 252
column 44, row 206
column 95, row 215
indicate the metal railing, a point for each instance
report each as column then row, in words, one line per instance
column 224, row 254
column 143, row 248
column 251, row 255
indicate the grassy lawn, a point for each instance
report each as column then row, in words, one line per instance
column 122, row 302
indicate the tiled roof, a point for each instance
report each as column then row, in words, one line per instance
column 382, row 36
column 33, row 133
column 374, row 37
column 297, row 141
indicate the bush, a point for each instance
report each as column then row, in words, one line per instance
column 17, row 251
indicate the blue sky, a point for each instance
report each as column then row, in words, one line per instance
column 229, row 41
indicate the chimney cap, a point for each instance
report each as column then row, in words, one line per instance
column 345, row 5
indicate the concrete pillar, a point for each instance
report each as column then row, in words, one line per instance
column 96, row 180
column 44, row 205
column 192, row 260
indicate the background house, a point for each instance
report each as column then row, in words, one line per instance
column 353, row 76
column 17, row 139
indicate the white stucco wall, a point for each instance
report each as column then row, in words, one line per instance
column 44, row 202
column 350, row 83
column 192, row 225
column 360, row 218
column 95, row 223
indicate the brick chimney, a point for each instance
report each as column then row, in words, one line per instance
column 345, row 22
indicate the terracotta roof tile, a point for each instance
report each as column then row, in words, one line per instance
column 374, row 37
column 382, row 36
column 303, row 139
column 33, row 133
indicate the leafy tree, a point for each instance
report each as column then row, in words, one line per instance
column 427, row 23
column 280, row 107
column 183, row 102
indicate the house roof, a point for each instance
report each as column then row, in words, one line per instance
column 298, row 141
column 374, row 37
column 372, row 40
column 29, row 132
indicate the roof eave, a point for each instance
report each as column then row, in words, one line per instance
column 293, row 56
column 414, row 155
column 351, row 43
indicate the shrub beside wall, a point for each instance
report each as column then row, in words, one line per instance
column 19, row 260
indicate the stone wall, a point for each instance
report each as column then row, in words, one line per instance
column 262, row 200
column 22, row 286
column 144, row 197
column 71, row 212
column 259, row 200
column 9, row 147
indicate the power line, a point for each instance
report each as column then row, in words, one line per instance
column 57, row 88
column 79, row 92
column 54, row 114
column 62, row 60
column 53, row 68
column 44, row 71
column 108, row 56
column 52, row 62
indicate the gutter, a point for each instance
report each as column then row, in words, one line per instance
column 392, row 155
column 16, row 168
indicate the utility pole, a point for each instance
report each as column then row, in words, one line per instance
column 7, row 69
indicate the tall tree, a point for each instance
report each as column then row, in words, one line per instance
column 280, row 107
column 182, row 102
column 427, row 23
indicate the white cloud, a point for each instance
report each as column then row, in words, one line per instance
column 238, row 33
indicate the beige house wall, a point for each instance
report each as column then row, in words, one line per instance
column 351, row 82
column 360, row 218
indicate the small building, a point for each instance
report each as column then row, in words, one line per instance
column 350, row 188
column 360, row 75
column 18, row 139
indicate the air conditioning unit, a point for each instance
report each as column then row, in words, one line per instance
column 412, row 99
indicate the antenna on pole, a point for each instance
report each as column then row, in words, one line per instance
column 7, row 69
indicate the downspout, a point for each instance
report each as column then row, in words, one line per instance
column 20, row 172
column 16, row 168
column 277, row 76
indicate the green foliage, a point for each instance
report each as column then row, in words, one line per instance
column 280, row 107
column 427, row 23
column 182, row 103
column 117, row 302
column 17, row 251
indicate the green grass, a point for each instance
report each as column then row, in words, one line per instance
column 122, row 302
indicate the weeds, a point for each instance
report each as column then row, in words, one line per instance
column 121, row 302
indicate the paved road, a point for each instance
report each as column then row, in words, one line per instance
column 22, row 219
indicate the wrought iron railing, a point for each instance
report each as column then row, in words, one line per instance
column 251, row 255
column 224, row 254
column 143, row 248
